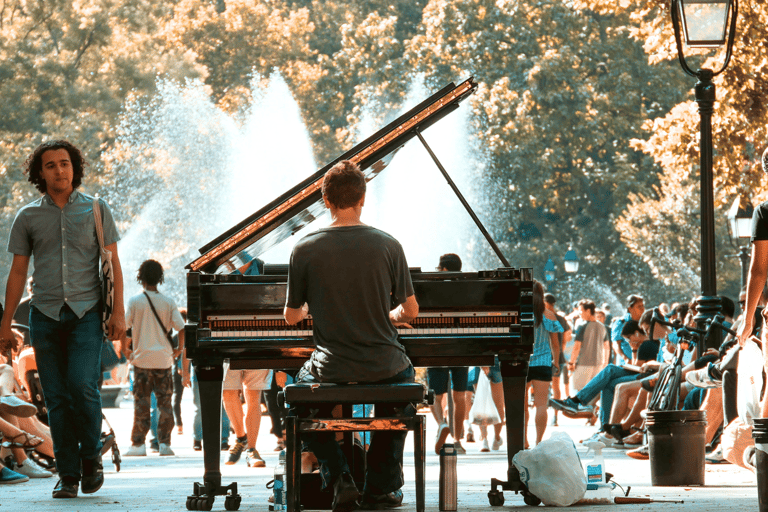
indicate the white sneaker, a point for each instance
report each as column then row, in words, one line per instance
column 136, row 451
column 165, row 450
column 32, row 470
column 607, row 439
column 497, row 444
column 485, row 447
column 459, row 449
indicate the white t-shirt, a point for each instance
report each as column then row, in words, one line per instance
column 151, row 349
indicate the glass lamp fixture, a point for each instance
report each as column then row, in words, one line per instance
column 704, row 22
column 740, row 218
column 571, row 261
column 549, row 270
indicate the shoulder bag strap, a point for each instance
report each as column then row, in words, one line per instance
column 97, row 217
column 167, row 333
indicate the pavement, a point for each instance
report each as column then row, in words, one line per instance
column 155, row 483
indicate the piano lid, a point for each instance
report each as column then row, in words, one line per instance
column 299, row 206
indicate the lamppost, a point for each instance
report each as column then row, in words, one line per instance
column 740, row 221
column 704, row 23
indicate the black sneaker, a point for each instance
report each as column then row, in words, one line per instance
column 65, row 488
column 93, row 475
column 569, row 405
column 382, row 501
column 154, row 446
column 345, row 494
column 197, row 445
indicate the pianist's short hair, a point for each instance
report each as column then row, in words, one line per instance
column 451, row 262
column 150, row 273
column 344, row 185
column 588, row 305
column 34, row 164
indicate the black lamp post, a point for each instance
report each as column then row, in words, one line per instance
column 705, row 23
column 740, row 221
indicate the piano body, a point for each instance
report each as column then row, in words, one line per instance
column 465, row 319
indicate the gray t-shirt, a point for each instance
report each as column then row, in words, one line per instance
column 592, row 336
column 351, row 277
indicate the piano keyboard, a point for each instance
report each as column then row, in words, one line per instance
column 444, row 323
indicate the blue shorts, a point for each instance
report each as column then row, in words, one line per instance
column 438, row 379
column 494, row 375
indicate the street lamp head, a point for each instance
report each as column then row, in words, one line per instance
column 705, row 25
column 549, row 270
column 740, row 218
column 571, row 261
column 704, row 22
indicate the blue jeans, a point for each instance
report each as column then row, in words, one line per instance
column 604, row 383
column 197, row 423
column 384, row 462
column 68, row 355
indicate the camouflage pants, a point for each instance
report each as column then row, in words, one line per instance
column 144, row 383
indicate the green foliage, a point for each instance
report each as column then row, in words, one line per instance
column 580, row 119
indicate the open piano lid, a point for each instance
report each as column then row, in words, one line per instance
column 296, row 208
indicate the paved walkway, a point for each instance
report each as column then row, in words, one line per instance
column 153, row 483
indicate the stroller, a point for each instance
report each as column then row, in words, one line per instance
column 26, row 374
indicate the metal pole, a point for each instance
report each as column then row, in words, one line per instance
column 744, row 258
column 709, row 302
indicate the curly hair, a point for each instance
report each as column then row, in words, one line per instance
column 34, row 164
column 150, row 273
column 344, row 185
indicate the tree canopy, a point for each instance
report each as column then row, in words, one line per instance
column 583, row 122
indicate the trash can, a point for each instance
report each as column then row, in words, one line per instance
column 677, row 445
column 760, row 435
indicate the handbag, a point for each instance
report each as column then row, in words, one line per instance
column 174, row 342
column 107, row 275
column 109, row 358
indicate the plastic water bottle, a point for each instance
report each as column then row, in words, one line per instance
column 448, row 490
column 279, row 485
column 597, row 488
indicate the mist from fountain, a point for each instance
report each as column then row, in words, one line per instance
column 193, row 171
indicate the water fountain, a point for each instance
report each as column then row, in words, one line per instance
column 189, row 171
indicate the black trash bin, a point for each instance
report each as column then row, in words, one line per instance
column 677, row 445
column 760, row 435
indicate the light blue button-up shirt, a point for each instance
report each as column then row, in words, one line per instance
column 65, row 251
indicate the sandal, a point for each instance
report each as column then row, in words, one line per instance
column 29, row 441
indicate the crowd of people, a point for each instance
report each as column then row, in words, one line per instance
column 585, row 363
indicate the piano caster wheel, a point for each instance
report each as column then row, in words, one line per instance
column 496, row 498
column 232, row 502
column 203, row 503
column 531, row 500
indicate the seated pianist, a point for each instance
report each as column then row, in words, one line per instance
column 349, row 275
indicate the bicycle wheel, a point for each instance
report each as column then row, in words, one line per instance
column 655, row 403
column 669, row 392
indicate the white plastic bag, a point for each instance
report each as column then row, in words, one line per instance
column 750, row 372
column 552, row 471
column 483, row 409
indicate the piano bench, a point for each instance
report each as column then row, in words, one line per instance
column 314, row 394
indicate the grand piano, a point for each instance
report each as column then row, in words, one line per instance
column 465, row 319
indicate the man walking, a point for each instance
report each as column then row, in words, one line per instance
column 151, row 317
column 58, row 229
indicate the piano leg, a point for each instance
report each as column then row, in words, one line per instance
column 513, row 375
column 210, row 378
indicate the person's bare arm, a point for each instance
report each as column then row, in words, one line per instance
column 574, row 355
column 406, row 311
column 606, row 352
column 758, row 270
column 295, row 315
column 117, row 322
column 14, row 289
